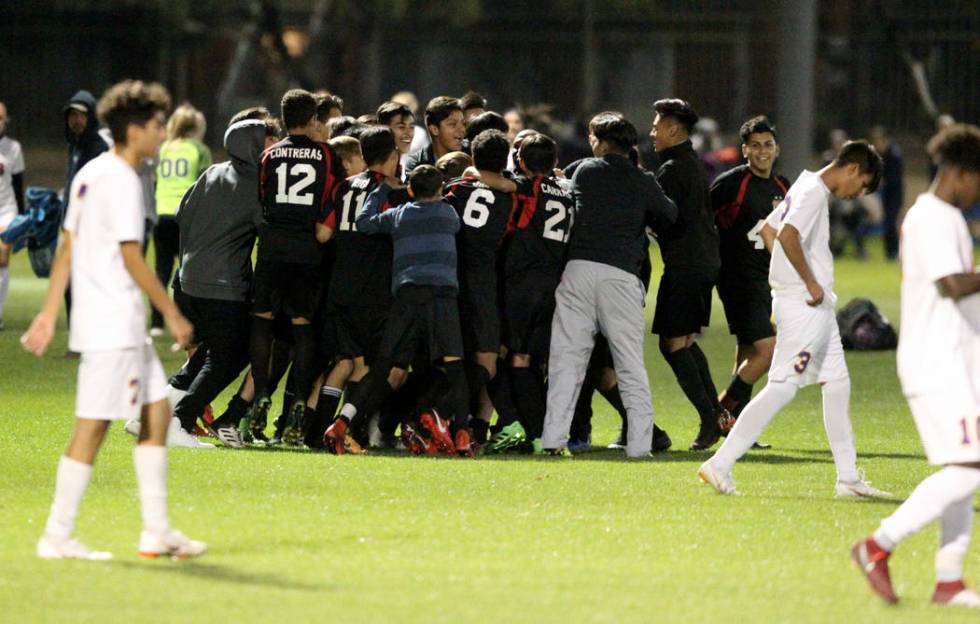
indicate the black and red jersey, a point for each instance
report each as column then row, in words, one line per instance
column 741, row 201
column 541, row 226
column 362, row 266
column 485, row 214
column 296, row 178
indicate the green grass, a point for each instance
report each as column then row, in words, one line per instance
column 302, row 537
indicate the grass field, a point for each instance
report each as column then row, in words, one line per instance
column 302, row 537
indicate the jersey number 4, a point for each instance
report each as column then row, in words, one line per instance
column 290, row 186
column 754, row 235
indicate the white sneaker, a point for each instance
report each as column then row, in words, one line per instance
column 156, row 332
column 51, row 548
column 375, row 439
column 174, row 395
column 132, row 427
column 230, row 436
column 964, row 598
column 859, row 489
column 722, row 482
column 172, row 543
column 177, row 437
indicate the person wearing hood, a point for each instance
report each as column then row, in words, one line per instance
column 218, row 219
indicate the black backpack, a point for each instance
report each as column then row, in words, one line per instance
column 864, row 328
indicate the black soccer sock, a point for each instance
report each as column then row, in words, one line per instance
column 685, row 368
column 322, row 417
column 480, row 429
column 705, row 373
column 476, row 378
column 456, row 402
column 260, row 350
column 530, row 400
column 739, row 390
column 235, row 411
column 501, row 394
column 305, row 355
column 282, row 356
column 370, row 393
column 288, row 396
column 612, row 396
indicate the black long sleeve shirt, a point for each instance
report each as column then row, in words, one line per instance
column 692, row 243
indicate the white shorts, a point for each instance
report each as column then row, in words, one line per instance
column 115, row 385
column 948, row 421
column 808, row 347
column 7, row 215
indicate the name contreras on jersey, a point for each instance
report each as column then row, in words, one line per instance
column 302, row 153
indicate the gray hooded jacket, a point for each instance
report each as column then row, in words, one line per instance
column 219, row 217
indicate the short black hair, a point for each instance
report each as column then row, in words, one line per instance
column 389, row 111
column 425, row 181
column 488, row 120
column 614, row 129
column 326, row 103
column 439, row 109
column 756, row 125
column 678, row 109
column 539, row 153
column 864, row 155
column 957, row 145
column 339, row 125
column 131, row 102
column 253, row 112
column 377, row 144
column 472, row 100
column 490, row 149
column 298, row 108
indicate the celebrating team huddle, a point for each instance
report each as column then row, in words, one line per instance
column 413, row 294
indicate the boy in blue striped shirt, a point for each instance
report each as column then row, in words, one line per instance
column 423, row 326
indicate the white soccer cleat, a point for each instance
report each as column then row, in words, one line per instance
column 721, row 482
column 178, row 438
column 172, row 543
column 51, row 548
column 132, row 427
column 859, row 489
column 230, row 436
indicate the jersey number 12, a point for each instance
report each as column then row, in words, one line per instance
column 291, row 193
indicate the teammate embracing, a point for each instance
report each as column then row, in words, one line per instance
column 939, row 367
column 808, row 346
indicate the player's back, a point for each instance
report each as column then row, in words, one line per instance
column 542, row 224
column 363, row 264
column 484, row 213
column 296, row 177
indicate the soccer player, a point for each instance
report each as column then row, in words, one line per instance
column 296, row 176
column 424, row 319
column 11, row 197
column 444, row 121
column 119, row 374
column 742, row 198
column 691, row 262
column 401, row 121
column 939, row 367
column 808, row 347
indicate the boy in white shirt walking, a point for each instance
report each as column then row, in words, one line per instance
column 939, row 367
column 808, row 346
column 119, row 374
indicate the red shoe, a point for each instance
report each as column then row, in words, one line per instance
column 725, row 421
column 207, row 418
column 464, row 445
column 438, row 432
column 415, row 443
column 872, row 560
column 335, row 436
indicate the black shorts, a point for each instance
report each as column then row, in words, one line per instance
column 423, row 326
column 479, row 314
column 360, row 330
column 214, row 320
column 748, row 308
column 289, row 288
column 683, row 302
column 529, row 307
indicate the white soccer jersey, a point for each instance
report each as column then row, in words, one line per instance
column 105, row 209
column 805, row 208
column 939, row 338
column 11, row 164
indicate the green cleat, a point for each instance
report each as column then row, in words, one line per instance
column 259, row 418
column 510, row 437
column 292, row 435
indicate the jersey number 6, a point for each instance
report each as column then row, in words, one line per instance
column 477, row 210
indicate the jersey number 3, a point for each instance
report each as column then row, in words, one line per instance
column 302, row 175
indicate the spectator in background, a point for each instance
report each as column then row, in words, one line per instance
column 890, row 191
column 515, row 123
column 182, row 159
column 11, row 197
column 473, row 104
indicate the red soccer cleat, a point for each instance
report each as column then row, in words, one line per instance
column 415, row 443
column 438, row 432
column 872, row 560
column 334, row 437
column 464, row 444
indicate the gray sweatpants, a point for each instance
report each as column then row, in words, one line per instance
column 594, row 297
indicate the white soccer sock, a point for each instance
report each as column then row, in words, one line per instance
column 837, row 422
column 69, row 488
column 348, row 411
column 4, row 287
column 151, row 476
column 927, row 502
column 956, row 524
column 753, row 420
